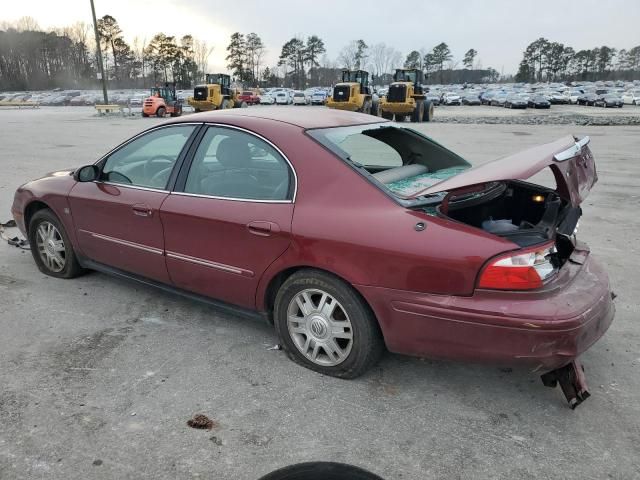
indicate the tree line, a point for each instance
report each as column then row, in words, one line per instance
column 543, row 60
column 32, row 59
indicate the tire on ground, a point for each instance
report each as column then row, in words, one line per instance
column 71, row 266
column 367, row 344
column 427, row 115
column 416, row 115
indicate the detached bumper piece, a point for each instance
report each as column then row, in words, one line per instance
column 572, row 382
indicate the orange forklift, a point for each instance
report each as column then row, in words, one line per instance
column 162, row 100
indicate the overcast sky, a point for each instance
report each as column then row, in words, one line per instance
column 498, row 29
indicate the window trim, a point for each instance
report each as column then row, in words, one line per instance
column 176, row 166
column 186, row 166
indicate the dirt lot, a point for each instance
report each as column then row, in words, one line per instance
column 98, row 377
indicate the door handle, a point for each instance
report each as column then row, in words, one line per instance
column 262, row 228
column 142, row 210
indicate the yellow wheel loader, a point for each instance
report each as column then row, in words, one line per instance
column 406, row 98
column 215, row 94
column 353, row 93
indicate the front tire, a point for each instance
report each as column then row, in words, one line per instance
column 325, row 325
column 50, row 246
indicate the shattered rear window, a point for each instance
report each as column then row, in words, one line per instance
column 412, row 185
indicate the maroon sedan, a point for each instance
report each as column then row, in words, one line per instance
column 349, row 233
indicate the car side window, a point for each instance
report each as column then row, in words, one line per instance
column 234, row 164
column 148, row 160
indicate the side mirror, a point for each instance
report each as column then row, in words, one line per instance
column 88, row 173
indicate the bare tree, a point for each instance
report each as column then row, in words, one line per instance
column 349, row 55
column 384, row 59
column 202, row 53
column 27, row 24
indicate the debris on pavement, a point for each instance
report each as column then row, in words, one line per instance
column 277, row 346
column 201, row 421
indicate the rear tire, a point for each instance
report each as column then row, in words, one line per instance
column 145, row 115
column 51, row 247
column 161, row 112
column 400, row 117
column 326, row 326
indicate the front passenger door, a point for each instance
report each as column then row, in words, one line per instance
column 117, row 217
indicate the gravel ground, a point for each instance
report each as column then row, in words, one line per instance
column 98, row 377
column 556, row 115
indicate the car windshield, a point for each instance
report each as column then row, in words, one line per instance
column 411, row 161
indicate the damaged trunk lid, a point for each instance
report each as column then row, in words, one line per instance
column 570, row 161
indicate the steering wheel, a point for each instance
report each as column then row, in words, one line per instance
column 160, row 179
column 149, row 170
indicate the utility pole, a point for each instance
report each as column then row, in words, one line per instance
column 99, row 54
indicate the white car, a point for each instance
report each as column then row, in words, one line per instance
column 299, row 98
column 451, row 99
column 632, row 97
column 282, row 97
column 266, row 99
column 573, row 96
column 319, row 98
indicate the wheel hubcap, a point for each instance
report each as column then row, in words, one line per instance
column 51, row 247
column 320, row 327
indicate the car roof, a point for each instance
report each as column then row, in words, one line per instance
column 301, row 117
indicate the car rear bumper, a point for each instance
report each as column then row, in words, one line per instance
column 542, row 330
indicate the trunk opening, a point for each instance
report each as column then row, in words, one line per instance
column 525, row 213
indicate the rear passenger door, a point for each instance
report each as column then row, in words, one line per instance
column 229, row 216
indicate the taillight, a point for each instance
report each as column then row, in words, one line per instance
column 521, row 270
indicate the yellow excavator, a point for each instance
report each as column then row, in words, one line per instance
column 406, row 98
column 215, row 94
column 353, row 93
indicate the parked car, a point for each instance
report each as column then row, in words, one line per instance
column 471, row 99
column 587, row 99
column 282, row 97
column 538, row 101
column 434, row 98
column 79, row 100
column 574, row 95
column 498, row 100
column 485, row 97
column 319, row 98
column 451, row 99
column 608, row 100
column 422, row 265
column 631, row 97
column 267, row 99
column 557, row 98
column 249, row 97
column 299, row 98
column 515, row 101
column 137, row 100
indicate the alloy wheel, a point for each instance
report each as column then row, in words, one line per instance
column 51, row 247
column 320, row 327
